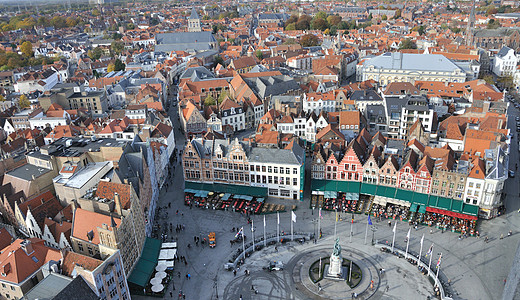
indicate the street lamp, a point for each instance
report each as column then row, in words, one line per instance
column 314, row 222
column 374, row 229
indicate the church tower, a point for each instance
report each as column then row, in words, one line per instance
column 470, row 29
column 194, row 22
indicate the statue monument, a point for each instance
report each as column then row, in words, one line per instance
column 336, row 268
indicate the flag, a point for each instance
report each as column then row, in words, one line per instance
column 422, row 240
column 369, row 220
column 439, row 261
column 320, row 213
column 395, row 228
column 408, row 235
column 239, row 232
column 430, row 250
column 293, row 215
column 278, row 217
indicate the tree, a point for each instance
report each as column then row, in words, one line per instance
column 119, row 65
column 111, row 67
column 397, row 14
column 26, row 49
column 407, row 44
column 292, row 19
column 2, row 98
column 290, row 26
column 489, row 79
column 289, row 41
column 58, row 22
column 95, row 53
column 321, row 15
column 320, row 24
column 334, row 20
column 492, row 24
column 309, row 40
column 506, row 81
column 209, row 101
column 259, row 54
column 222, row 96
column 384, row 18
column 96, row 12
column 24, row 102
column 117, row 47
column 71, row 22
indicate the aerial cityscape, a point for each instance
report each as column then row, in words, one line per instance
column 154, row 149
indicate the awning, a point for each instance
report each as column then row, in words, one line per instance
column 145, row 266
column 469, row 209
column 420, row 198
column 351, row 196
column 450, row 213
column 456, row 205
column 169, row 245
column 368, row 189
column 226, row 196
column 167, row 254
column 422, row 209
column 404, row 195
column 413, row 207
column 168, row 263
column 260, row 199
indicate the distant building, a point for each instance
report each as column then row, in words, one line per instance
column 192, row 42
column 194, row 22
column 505, row 62
column 407, row 67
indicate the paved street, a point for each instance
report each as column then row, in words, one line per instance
column 477, row 270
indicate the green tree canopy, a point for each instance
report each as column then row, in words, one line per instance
column 119, row 65
column 209, row 101
column 24, row 102
column 26, row 49
column 309, row 40
column 407, row 44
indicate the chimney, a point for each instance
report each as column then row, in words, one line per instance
column 117, row 201
column 485, row 106
column 27, row 247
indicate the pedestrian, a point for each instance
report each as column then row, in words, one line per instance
column 171, row 294
column 252, row 287
column 387, row 288
column 235, row 272
column 389, row 223
column 189, row 276
column 502, row 236
column 241, row 298
column 510, row 233
column 431, row 230
column 183, row 296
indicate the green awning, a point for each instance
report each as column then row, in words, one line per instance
column 413, row 207
column 404, row 195
column 444, row 203
column 456, row 206
column 318, row 185
column 368, row 189
column 381, row 190
column 470, row 209
column 432, row 201
column 145, row 266
column 353, row 187
column 420, row 198
column 390, row 192
column 422, row 209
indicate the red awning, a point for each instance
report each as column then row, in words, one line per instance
column 450, row 213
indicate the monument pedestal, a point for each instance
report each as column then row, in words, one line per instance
column 340, row 277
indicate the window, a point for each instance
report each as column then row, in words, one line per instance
column 295, row 181
column 276, row 169
column 270, row 179
column 295, row 170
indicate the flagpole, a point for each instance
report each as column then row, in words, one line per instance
column 243, row 243
column 430, row 263
column 292, row 234
column 438, row 268
column 265, row 240
column 366, row 233
column 253, row 233
column 319, row 224
column 319, row 271
column 420, row 250
column 407, row 243
column 278, row 226
column 351, row 232
column 393, row 239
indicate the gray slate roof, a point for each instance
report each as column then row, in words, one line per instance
column 271, row 85
column 412, row 62
column 184, row 41
column 365, row 95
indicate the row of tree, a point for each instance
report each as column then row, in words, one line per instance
column 28, row 22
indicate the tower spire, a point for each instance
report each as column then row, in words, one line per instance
column 471, row 25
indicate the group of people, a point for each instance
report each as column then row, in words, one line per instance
column 389, row 211
column 341, row 204
column 463, row 226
